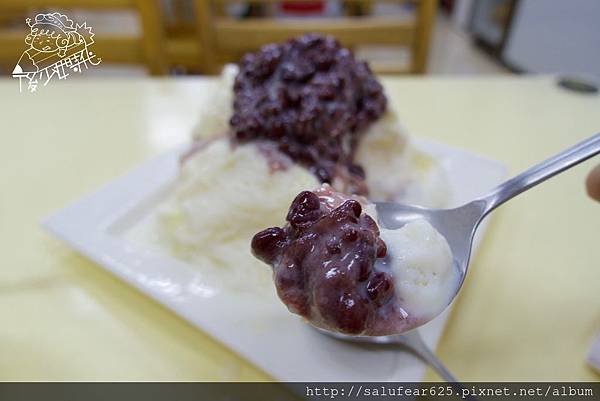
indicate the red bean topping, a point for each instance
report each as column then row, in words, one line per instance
column 323, row 263
column 314, row 99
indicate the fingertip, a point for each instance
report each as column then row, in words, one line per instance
column 592, row 183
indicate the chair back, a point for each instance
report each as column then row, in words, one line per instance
column 224, row 38
column 146, row 49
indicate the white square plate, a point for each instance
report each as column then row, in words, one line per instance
column 263, row 332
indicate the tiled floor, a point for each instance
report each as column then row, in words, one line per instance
column 452, row 53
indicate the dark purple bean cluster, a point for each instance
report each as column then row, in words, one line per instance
column 323, row 263
column 311, row 97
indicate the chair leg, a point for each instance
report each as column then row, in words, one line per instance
column 425, row 18
column 153, row 36
column 204, row 13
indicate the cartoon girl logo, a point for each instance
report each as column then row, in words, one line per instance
column 51, row 36
column 57, row 47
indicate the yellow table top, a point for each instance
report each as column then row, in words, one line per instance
column 529, row 309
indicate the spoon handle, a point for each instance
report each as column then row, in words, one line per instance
column 541, row 172
column 414, row 341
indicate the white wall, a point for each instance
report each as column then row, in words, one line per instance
column 551, row 36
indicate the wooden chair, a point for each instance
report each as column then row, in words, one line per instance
column 147, row 50
column 224, row 39
column 182, row 47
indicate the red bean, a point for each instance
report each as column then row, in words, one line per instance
column 311, row 94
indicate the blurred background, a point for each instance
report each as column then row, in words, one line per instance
column 177, row 37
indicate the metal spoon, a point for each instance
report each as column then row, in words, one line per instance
column 458, row 225
column 411, row 340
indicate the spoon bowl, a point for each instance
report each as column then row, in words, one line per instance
column 458, row 225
